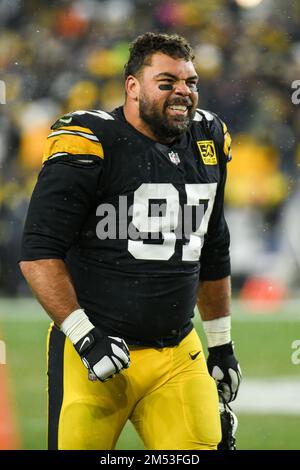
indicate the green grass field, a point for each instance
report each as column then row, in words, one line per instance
column 263, row 343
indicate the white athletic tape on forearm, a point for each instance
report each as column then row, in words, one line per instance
column 76, row 325
column 218, row 331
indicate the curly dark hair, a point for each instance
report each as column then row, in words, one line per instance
column 142, row 48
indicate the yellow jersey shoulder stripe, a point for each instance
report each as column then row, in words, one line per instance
column 86, row 130
column 73, row 140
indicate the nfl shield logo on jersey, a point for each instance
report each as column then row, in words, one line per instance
column 174, row 157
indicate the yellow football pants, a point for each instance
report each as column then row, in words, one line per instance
column 167, row 393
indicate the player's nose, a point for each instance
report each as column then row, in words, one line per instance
column 181, row 88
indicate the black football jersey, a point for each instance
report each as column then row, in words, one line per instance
column 138, row 223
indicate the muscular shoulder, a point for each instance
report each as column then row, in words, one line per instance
column 214, row 126
column 78, row 137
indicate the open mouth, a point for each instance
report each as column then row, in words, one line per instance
column 178, row 110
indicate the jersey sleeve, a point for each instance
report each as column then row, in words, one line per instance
column 215, row 255
column 72, row 140
column 65, row 191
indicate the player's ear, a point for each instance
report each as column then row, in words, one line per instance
column 132, row 87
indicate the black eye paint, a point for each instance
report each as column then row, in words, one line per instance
column 165, row 87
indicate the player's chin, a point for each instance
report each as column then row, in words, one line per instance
column 180, row 123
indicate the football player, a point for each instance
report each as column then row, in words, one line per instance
column 125, row 233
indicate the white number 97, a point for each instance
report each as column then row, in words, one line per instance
column 167, row 223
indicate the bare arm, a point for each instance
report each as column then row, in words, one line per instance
column 213, row 298
column 51, row 283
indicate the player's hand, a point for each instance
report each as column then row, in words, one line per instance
column 103, row 355
column 224, row 368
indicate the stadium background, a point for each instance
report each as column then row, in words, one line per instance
column 64, row 55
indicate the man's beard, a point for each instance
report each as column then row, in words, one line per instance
column 164, row 127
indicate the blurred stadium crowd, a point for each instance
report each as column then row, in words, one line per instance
column 59, row 56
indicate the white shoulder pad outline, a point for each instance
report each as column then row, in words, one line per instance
column 198, row 115
column 98, row 113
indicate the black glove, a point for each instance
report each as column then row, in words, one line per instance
column 103, row 355
column 224, row 368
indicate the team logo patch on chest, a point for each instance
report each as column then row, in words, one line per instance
column 174, row 157
column 208, row 152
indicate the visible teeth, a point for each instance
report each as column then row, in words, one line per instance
column 178, row 108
